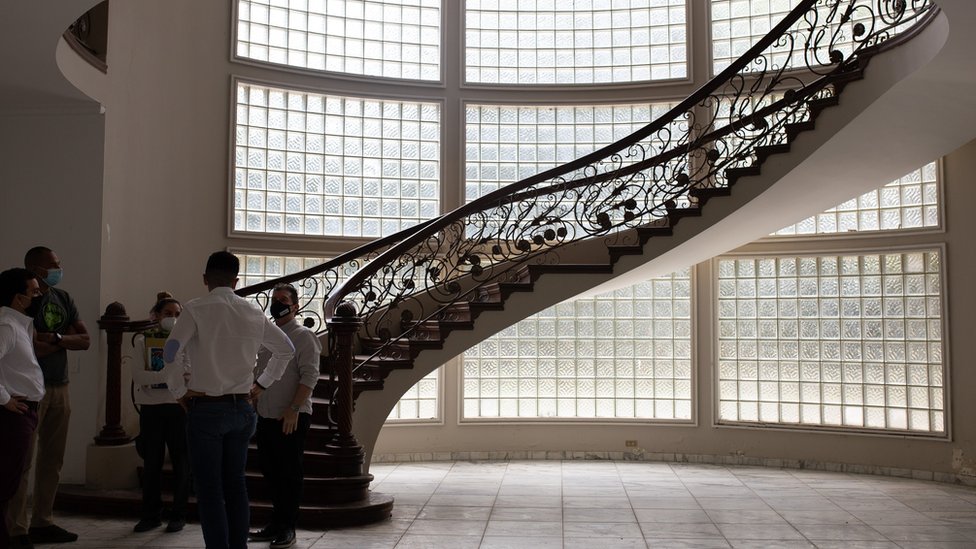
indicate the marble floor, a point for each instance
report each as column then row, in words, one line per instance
column 606, row 505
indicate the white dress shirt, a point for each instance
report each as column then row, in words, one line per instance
column 303, row 369
column 221, row 334
column 20, row 374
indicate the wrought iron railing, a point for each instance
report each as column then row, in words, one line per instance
column 732, row 122
column 88, row 36
column 316, row 283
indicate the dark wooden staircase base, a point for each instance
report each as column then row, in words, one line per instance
column 128, row 503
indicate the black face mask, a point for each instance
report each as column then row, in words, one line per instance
column 279, row 310
column 34, row 307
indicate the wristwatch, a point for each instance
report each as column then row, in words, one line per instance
column 295, row 408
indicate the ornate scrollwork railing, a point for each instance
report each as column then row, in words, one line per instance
column 316, row 283
column 739, row 116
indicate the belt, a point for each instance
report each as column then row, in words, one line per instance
column 230, row 397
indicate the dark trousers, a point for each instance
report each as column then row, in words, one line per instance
column 280, row 457
column 17, row 430
column 218, row 434
column 162, row 426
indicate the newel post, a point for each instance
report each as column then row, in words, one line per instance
column 115, row 322
column 344, row 446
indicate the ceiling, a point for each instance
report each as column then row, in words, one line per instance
column 29, row 34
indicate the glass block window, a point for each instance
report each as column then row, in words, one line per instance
column 419, row 403
column 845, row 341
column 581, row 42
column 387, row 38
column 505, row 144
column 738, row 24
column 324, row 165
column 911, row 202
column 623, row 355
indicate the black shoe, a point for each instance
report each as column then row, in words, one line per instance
column 175, row 525
column 51, row 534
column 147, row 524
column 21, row 542
column 267, row 533
column 286, row 538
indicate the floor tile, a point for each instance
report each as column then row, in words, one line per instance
column 411, row 541
column 669, row 516
column 519, row 542
column 448, row 512
column 709, row 543
column 600, row 514
column 653, row 530
column 527, row 513
column 839, row 532
column 601, row 529
column 524, row 528
column 606, row 505
column 745, row 516
column 448, row 527
column 604, row 543
column 773, row 532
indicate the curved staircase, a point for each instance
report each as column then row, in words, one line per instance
column 800, row 122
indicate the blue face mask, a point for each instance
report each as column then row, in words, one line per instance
column 53, row 277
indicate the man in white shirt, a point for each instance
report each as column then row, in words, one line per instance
column 284, row 417
column 221, row 334
column 21, row 385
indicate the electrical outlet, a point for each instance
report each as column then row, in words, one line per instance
column 630, row 443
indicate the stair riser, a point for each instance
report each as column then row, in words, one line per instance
column 316, row 491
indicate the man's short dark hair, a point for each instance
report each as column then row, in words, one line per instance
column 13, row 282
column 35, row 254
column 222, row 268
column 291, row 291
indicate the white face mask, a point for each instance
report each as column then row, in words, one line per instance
column 167, row 323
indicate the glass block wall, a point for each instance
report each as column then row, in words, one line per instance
column 419, row 403
column 911, row 202
column 507, row 143
column 845, row 341
column 323, row 165
column 738, row 24
column 385, row 38
column 581, row 42
column 623, row 355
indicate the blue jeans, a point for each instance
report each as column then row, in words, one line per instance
column 218, row 433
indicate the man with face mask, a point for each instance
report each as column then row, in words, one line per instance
column 21, row 381
column 284, row 416
column 59, row 329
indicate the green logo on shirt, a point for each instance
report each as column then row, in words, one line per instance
column 53, row 316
